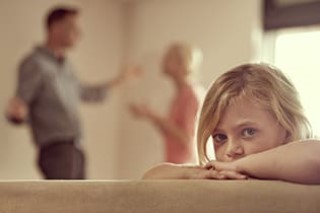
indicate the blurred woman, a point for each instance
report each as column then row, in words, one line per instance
column 180, row 63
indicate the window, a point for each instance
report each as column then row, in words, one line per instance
column 297, row 53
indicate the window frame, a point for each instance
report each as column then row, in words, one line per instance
column 294, row 15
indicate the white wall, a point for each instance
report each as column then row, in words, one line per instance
column 228, row 32
column 97, row 58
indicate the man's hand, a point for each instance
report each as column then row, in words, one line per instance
column 128, row 73
column 131, row 72
column 141, row 111
column 17, row 111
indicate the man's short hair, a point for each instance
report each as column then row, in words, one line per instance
column 59, row 13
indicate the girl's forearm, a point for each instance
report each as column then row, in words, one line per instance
column 172, row 171
column 296, row 162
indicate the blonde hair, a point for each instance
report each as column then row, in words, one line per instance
column 190, row 56
column 261, row 83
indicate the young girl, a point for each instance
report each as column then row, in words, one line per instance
column 256, row 122
column 179, row 63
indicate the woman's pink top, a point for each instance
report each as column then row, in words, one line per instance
column 183, row 113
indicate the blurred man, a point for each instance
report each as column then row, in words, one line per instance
column 48, row 95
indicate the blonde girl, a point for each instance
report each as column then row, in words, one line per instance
column 258, row 128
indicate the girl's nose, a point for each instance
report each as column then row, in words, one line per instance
column 235, row 151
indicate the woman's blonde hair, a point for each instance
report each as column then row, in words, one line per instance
column 190, row 56
column 261, row 83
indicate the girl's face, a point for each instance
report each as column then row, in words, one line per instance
column 246, row 128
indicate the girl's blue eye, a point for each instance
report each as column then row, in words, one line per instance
column 219, row 138
column 248, row 132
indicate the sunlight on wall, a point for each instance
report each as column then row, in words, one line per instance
column 297, row 54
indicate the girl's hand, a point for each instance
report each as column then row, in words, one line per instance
column 228, row 169
column 175, row 171
column 216, row 175
column 218, row 165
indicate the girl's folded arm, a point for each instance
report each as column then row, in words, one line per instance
column 166, row 171
column 296, row 162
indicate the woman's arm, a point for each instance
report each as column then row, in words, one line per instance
column 295, row 162
column 183, row 129
column 165, row 126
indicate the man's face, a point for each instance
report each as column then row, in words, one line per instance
column 66, row 32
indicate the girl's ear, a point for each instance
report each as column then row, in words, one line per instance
column 287, row 138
